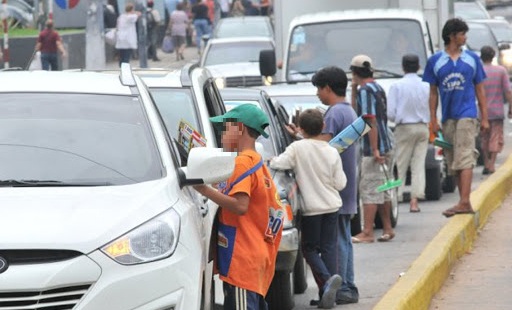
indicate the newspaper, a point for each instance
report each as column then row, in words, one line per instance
column 188, row 137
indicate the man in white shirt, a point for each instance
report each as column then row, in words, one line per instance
column 408, row 107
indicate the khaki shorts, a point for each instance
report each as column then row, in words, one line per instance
column 461, row 134
column 372, row 176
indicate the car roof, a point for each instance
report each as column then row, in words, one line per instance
column 160, row 77
column 62, row 81
column 231, row 93
column 491, row 21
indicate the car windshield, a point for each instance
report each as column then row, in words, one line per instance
column 268, row 143
column 478, row 36
column 291, row 103
column 225, row 53
column 502, row 31
column 175, row 105
column 245, row 27
column 385, row 41
column 76, row 139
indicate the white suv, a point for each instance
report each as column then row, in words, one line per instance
column 96, row 208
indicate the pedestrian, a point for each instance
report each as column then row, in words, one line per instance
column 250, row 215
column 178, row 24
column 201, row 22
column 408, row 109
column 237, row 8
column 126, row 40
column 48, row 43
column 331, row 84
column 370, row 99
column 224, row 8
column 497, row 93
column 153, row 21
column 458, row 75
column 320, row 177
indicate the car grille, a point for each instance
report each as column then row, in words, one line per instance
column 245, row 81
column 62, row 298
column 22, row 257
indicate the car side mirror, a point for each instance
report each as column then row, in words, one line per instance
column 207, row 166
column 268, row 62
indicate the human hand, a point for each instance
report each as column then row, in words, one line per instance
column 484, row 125
column 434, row 127
column 379, row 159
column 292, row 129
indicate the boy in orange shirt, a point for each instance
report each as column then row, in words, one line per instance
column 250, row 214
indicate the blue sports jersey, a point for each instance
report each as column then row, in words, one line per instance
column 456, row 80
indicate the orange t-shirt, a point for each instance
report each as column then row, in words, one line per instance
column 247, row 244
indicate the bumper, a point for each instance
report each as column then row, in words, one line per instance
column 288, row 250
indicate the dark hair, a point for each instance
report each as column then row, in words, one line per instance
column 410, row 63
column 180, row 6
column 150, row 3
column 362, row 72
column 332, row 76
column 253, row 133
column 487, row 53
column 312, row 122
column 453, row 26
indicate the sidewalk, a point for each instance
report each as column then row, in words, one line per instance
column 482, row 278
column 428, row 273
column 167, row 61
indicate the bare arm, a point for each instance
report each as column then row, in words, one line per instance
column 373, row 134
column 61, row 48
column 238, row 203
column 432, row 102
column 353, row 96
column 482, row 104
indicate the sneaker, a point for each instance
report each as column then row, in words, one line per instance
column 329, row 296
column 343, row 299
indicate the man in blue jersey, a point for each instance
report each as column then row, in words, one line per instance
column 457, row 75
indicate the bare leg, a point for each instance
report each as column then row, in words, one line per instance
column 370, row 210
column 384, row 212
column 492, row 161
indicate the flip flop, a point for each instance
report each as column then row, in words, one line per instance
column 385, row 237
column 452, row 211
column 415, row 210
column 362, row 240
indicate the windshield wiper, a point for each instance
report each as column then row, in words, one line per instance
column 393, row 74
column 47, row 183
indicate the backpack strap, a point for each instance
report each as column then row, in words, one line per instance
column 243, row 176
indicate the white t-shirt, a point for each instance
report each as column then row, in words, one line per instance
column 319, row 173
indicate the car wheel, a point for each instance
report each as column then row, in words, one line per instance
column 449, row 184
column 433, row 188
column 300, row 281
column 280, row 293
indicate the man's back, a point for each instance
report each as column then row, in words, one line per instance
column 496, row 84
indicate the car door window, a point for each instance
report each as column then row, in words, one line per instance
column 214, row 103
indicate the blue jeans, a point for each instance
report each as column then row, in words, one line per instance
column 319, row 246
column 202, row 27
column 345, row 255
column 49, row 61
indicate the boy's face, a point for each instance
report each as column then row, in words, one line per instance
column 230, row 136
column 458, row 38
column 321, row 93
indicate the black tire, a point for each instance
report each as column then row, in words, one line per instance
column 355, row 223
column 449, row 184
column 300, row 280
column 280, row 293
column 433, row 188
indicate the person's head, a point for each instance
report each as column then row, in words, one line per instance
column 487, row 53
column 129, row 7
column 151, row 4
column 180, row 6
column 361, row 67
column 330, row 79
column 410, row 63
column 49, row 24
column 452, row 28
column 311, row 122
column 241, row 124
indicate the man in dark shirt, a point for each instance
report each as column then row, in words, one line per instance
column 48, row 43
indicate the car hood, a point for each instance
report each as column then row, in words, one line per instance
column 77, row 218
column 235, row 69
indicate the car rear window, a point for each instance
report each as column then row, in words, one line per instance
column 76, row 138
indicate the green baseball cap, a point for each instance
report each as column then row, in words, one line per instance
column 247, row 114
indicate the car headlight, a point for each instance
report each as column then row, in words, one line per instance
column 153, row 240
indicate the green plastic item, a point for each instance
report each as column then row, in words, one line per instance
column 390, row 184
column 441, row 142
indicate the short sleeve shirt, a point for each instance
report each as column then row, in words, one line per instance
column 247, row 244
column 496, row 85
column 48, row 40
column 456, row 80
column 337, row 118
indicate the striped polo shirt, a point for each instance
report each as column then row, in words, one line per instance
column 496, row 85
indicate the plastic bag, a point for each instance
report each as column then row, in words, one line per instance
column 111, row 36
column 35, row 64
column 167, row 45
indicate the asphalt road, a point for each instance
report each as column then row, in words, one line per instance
column 379, row 265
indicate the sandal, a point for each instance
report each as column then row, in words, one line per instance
column 453, row 211
column 362, row 238
column 386, row 237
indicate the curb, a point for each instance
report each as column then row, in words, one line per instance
column 426, row 275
